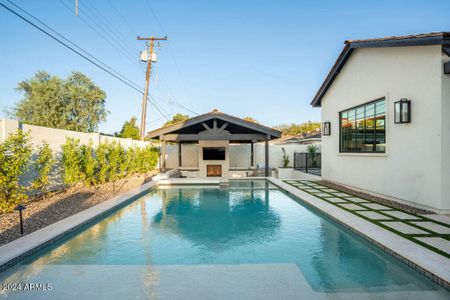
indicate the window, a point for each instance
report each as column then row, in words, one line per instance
column 362, row 128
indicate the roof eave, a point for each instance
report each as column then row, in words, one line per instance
column 442, row 38
column 155, row 134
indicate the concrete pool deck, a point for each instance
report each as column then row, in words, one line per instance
column 244, row 281
column 426, row 261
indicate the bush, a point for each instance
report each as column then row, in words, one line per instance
column 115, row 152
column 72, row 161
column 102, row 163
column 109, row 162
column 88, row 164
column 43, row 165
column 15, row 153
column 312, row 149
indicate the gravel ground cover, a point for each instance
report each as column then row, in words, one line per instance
column 62, row 204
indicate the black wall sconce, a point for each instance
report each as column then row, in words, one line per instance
column 326, row 128
column 402, row 111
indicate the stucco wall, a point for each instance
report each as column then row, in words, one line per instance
column 411, row 169
column 445, row 116
column 203, row 163
column 57, row 137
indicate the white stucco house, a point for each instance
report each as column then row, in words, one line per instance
column 368, row 143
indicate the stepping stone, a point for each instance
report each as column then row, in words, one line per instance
column 433, row 227
column 342, row 195
column 401, row 215
column 404, row 228
column 439, row 218
column 352, row 206
column 436, row 242
column 335, row 200
column 323, row 195
column 329, row 190
column 373, row 215
column 314, row 191
column 356, row 199
column 376, row 206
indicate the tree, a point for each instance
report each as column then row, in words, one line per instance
column 175, row 119
column 130, row 129
column 250, row 119
column 15, row 154
column 75, row 103
column 299, row 129
column 43, row 165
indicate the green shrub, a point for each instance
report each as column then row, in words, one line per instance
column 15, row 153
column 88, row 163
column 115, row 152
column 102, row 163
column 125, row 160
column 71, row 161
column 43, row 166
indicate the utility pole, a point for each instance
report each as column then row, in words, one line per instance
column 147, row 79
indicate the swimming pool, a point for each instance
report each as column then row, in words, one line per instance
column 250, row 227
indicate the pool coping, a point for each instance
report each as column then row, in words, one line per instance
column 17, row 250
column 429, row 263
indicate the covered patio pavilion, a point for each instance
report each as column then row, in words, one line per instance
column 213, row 132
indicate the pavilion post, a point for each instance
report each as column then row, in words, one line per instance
column 163, row 154
column 252, row 155
column 179, row 155
column 266, row 146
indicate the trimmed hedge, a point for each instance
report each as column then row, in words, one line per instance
column 80, row 164
column 109, row 162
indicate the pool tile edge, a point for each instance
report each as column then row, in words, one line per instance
column 423, row 260
column 17, row 250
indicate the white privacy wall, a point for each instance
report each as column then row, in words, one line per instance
column 57, row 137
column 445, row 117
column 415, row 166
column 239, row 155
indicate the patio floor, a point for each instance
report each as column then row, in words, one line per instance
column 428, row 232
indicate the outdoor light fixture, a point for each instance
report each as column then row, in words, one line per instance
column 402, row 111
column 20, row 207
column 326, row 128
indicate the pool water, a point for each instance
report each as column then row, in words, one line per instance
column 250, row 222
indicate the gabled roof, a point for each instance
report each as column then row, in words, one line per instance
column 434, row 38
column 235, row 126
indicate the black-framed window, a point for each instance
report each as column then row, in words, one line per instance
column 363, row 128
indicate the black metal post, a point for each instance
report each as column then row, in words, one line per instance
column 306, row 163
column 21, row 222
column 267, row 157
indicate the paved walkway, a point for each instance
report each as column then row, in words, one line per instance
column 428, row 231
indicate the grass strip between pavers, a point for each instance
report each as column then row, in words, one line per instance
column 316, row 186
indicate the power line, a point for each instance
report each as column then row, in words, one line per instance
column 111, row 27
column 123, row 52
column 124, row 80
column 132, row 30
column 74, row 45
column 172, row 52
column 69, row 47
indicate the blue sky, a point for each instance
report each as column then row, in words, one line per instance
column 264, row 59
